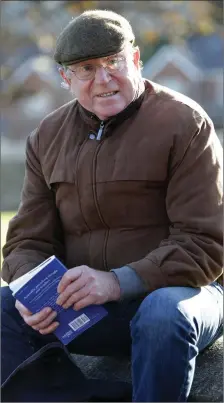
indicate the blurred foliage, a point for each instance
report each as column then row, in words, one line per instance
column 155, row 22
column 36, row 25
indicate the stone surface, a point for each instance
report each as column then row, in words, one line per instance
column 208, row 380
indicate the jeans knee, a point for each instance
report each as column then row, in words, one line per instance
column 162, row 312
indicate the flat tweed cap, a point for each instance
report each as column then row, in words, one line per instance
column 93, row 34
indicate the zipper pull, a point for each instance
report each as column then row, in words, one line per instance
column 100, row 132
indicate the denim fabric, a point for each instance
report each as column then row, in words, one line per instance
column 170, row 328
column 164, row 333
column 25, row 352
column 38, row 378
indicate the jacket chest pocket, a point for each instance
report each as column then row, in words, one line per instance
column 133, row 203
column 68, row 205
column 139, row 162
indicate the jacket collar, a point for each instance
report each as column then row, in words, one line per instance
column 94, row 121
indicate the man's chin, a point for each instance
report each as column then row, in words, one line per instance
column 107, row 113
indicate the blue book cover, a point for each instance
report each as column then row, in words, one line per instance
column 37, row 289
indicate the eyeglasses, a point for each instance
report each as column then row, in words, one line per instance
column 88, row 71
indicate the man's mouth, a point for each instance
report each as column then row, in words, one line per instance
column 107, row 94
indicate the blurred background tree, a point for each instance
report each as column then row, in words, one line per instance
column 32, row 26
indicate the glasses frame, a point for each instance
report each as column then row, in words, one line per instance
column 103, row 64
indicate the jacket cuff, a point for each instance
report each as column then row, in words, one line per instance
column 130, row 283
column 9, row 275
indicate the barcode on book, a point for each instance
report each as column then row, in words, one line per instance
column 79, row 322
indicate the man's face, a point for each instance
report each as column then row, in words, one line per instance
column 109, row 90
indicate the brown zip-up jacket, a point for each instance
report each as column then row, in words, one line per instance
column 148, row 194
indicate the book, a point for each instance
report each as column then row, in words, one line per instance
column 37, row 289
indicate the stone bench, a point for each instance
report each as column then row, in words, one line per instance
column 208, row 380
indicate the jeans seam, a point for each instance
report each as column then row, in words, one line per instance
column 187, row 362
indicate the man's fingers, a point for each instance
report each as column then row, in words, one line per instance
column 22, row 309
column 38, row 317
column 50, row 328
column 70, row 290
column 89, row 300
column 84, row 292
column 45, row 323
column 70, row 276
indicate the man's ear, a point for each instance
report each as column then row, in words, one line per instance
column 136, row 57
column 64, row 77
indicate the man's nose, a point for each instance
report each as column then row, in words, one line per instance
column 101, row 75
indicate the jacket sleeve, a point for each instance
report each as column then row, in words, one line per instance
column 192, row 253
column 35, row 232
column 131, row 284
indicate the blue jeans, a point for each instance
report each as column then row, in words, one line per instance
column 163, row 333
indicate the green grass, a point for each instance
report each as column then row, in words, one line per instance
column 5, row 217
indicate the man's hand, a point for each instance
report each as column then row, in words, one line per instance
column 83, row 286
column 41, row 321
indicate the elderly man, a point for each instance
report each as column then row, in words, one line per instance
column 123, row 184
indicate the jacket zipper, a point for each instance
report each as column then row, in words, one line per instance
column 97, row 205
column 100, row 131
